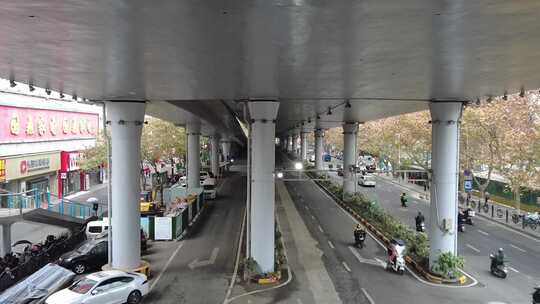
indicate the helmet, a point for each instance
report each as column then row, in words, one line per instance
column 501, row 250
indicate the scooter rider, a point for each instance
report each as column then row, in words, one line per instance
column 419, row 219
column 359, row 235
column 499, row 259
column 403, row 199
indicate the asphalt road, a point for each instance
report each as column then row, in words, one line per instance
column 357, row 272
column 474, row 245
column 192, row 274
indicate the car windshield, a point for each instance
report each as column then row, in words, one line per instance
column 368, row 178
column 83, row 286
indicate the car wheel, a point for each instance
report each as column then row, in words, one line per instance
column 79, row 268
column 134, row 297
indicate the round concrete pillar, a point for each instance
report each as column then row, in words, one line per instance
column 303, row 145
column 214, row 154
column 349, row 155
column 193, row 132
column 126, row 120
column 6, row 239
column 319, row 138
column 444, row 184
column 263, row 114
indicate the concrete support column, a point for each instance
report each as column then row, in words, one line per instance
column 297, row 144
column 290, row 144
column 303, row 145
column 193, row 132
column 226, row 148
column 319, row 137
column 214, row 154
column 126, row 121
column 349, row 155
column 6, row 239
column 263, row 114
column 444, row 178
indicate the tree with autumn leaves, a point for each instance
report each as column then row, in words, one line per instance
column 160, row 140
column 500, row 135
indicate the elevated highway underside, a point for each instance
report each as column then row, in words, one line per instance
column 388, row 57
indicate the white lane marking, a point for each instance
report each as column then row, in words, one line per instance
column 236, row 264
column 483, row 232
column 346, row 266
column 312, row 216
column 473, row 248
column 370, row 299
column 306, row 206
column 501, row 225
column 363, row 260
column 516, row 247
column 331, row 245
column 474, row 281
column 513, row 269
column 383, row 263
column 167, row 265
column 196, row 263
column 320, row 229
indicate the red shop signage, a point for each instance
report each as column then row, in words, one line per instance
column 26, row 124
column 70, row 161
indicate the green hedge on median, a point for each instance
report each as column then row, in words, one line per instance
column 391, row 227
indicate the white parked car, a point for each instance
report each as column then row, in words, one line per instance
column 367, row 180
column 209, row 188
column 104, row 287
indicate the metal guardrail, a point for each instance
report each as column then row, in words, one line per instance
column 33, row 199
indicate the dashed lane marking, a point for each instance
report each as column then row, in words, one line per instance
column 167, row 265
column 320, row 229
column 313, row 216
column 346, row 266
column 331, row 245
column 370, row 299
column 513, row 269
column 483, row 232
column 516, row 247
column 473, row 248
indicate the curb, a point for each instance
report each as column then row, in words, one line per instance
column 419, row 269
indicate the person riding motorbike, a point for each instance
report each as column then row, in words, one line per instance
column 419, row 220
column 461, row 221
column 498, row 259
column 403, row 199
column 359, row 235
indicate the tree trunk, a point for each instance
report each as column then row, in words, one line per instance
column 517, row 198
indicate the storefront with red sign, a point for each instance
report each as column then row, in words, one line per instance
column 71, row 178
column 30, row 172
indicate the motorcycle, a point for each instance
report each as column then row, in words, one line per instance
column 421, row 227
column 469, row 214
column 500, row 271
column 461, row 227
column 359, row 239
column 398, row 264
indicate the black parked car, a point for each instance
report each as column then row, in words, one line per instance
column 92, row 254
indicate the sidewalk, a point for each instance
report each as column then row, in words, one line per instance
column 494, row 212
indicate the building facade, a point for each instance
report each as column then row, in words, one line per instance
column 40, row 143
